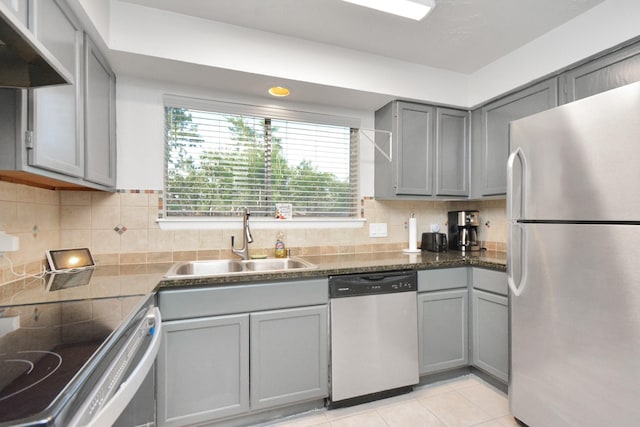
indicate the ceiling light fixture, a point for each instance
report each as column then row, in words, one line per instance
column 412, row 9
column 279, row 91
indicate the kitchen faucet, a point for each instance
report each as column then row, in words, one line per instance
column 243, row 252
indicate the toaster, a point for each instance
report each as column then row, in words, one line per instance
column 434, row 242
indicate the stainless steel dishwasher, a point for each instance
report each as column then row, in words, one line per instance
column 374, row 336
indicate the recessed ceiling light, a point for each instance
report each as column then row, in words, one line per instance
column 279, row 91
column 412, row 9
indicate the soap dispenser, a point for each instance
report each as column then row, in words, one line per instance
column 280, row 249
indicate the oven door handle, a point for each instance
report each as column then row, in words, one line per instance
column 110, row 412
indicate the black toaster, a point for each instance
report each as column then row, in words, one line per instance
column 434, row 242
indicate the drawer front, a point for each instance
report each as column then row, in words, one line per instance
column 214, row 301
column 490, row 280
column 444, row 278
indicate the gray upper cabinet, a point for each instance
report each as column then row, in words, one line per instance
column 452, row 152
column 608, row 72
column 19, row 9
column 494, row 140
column 409, row 172
column 428, row 152
column 100, row 120
column 55, row 140
column 61, row 136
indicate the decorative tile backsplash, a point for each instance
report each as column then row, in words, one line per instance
column 121, row 228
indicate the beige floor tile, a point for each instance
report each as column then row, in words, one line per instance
column 431, row 390
column 304, row 421
column 467, row 381
column 491, row 401
column 366, row 419
column 409, row 413
column 454, row 409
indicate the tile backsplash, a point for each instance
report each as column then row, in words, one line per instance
column 121, row 228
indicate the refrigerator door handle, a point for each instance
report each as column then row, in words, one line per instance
column 516, row 191
column 516, row 196
column 517, row 254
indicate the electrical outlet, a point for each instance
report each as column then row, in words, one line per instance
column 378, row 229
column 8, row 243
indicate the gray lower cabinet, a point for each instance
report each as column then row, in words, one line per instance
column 203, row 370
column 443, row 330
column 493, row 147
column 608, row 72
column 490, row 320
column 289, row 356
column 429, row 151
column 491, row 333
column 241, row 354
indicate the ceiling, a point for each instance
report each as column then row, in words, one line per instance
column 458, row 35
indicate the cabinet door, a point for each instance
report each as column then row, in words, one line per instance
column 100, row 121
column 495, row 130
column 55, row 140
column 19, row 9
column 609, row 72
column 414, row 149
column 491, row 334
column 452, row 154
column 289, row 361
column 203, row 370
column 442, row 330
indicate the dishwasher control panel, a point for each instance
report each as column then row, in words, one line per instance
column 350, row 285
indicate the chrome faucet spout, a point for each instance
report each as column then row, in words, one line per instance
column 243, row 252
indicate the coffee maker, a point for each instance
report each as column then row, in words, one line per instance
column 463, row 230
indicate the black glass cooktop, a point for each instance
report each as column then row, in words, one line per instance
column 43, row 346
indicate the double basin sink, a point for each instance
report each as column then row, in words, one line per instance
column 225, row 267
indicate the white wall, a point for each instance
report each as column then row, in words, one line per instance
column 140, row 130
column 152, row 32
column 608, row 24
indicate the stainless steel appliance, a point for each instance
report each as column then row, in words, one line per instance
column 434, row 242
column 573, row 206
column 374, row 336
column 463, row 230
column 75, row 362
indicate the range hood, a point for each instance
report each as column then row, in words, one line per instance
column 24, row 61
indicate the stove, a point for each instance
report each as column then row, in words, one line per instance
column 53, row 354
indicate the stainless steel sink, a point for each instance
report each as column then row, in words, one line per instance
column 224, row 267
column 274, row 264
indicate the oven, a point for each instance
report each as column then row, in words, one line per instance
column 76, row 362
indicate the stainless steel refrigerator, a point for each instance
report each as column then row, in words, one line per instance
column 573, row 204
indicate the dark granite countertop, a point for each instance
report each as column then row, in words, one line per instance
column 355, row 263
column 143, row 279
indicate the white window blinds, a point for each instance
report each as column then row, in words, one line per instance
column 219, row 163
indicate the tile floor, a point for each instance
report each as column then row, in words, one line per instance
column 463, row 402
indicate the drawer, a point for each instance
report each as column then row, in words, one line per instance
column 443, row 278
column 189, row 303
column 490, row 280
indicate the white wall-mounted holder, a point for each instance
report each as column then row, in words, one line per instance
column 370, row 135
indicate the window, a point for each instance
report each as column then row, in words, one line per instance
column 221, row 158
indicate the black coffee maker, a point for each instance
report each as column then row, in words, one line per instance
column 463, row 230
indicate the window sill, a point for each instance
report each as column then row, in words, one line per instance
column 258, row 223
